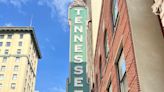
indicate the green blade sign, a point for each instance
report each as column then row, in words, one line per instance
column 78, row 16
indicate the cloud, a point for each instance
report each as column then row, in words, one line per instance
column 36, row 90
column 58, row 7
column 57, row 89
column 15, row 3
column 8, row 24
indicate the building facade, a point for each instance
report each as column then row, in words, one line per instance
column 19, row 54
column 129, row 49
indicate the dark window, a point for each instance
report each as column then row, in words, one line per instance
column 21, row 36
column 100, row 68
column 1, row 43
column 106, row 45
column 8, row 44
column 9, row 36
column 20, row 43
column 109, row 89
column 1, row 36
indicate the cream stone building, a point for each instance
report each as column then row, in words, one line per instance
column 19, row 54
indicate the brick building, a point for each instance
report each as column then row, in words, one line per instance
column 130, row 48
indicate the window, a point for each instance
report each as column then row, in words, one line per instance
column 6, row 52
column 3, row 68
column 8, row 44
column 13, row 85
column 14, row 77
column 122, row 73
column 16, row 67
column 17, row 59
column 19, row 51
column 4, row 59
column 100, row 68
column 20, row 43
column 1, row 85
column 109, row 89
column 115, row 11
column 1, row 76
column 1, row 44
column 1, row 36
column 106, row 45
column 9, row 36
column 21, row 36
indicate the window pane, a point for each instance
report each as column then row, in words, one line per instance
column 1, row 76
column 9, row 36
column 17, row 59
column 14, row 76
column 20, row 43
column 16, row 68
column 4, row 59
column 21, row 36
column 1, row 43
column 8, row 44
column 115, row 11
column 6, row 52
column 13, row 85
column 1, row 85
column 1, row 36
column 3, row 68
column 122, row 66
column 19, row 51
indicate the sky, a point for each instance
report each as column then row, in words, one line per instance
column 49, row 19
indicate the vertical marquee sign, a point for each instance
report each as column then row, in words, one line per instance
column 78, row 17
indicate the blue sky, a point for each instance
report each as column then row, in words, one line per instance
column 49, row 18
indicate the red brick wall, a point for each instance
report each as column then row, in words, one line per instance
column 122, row 35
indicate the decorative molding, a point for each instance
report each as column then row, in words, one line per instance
column 77, row 3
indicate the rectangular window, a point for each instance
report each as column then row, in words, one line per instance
column 4, row 59
column 1, row 36
column 8, row 44
column 16, row 68
column 17, row 59
column 19, row 51
column 106, row 45
column 13, row 85
column 3, row 68
column 115, row 11
column 21, row 36
column 1, row 76
column 6, row 52
column 1, row 43
column 1, row 85
column 9, row 36
column 20, row 43
column 122, row 73
column 14, row 77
